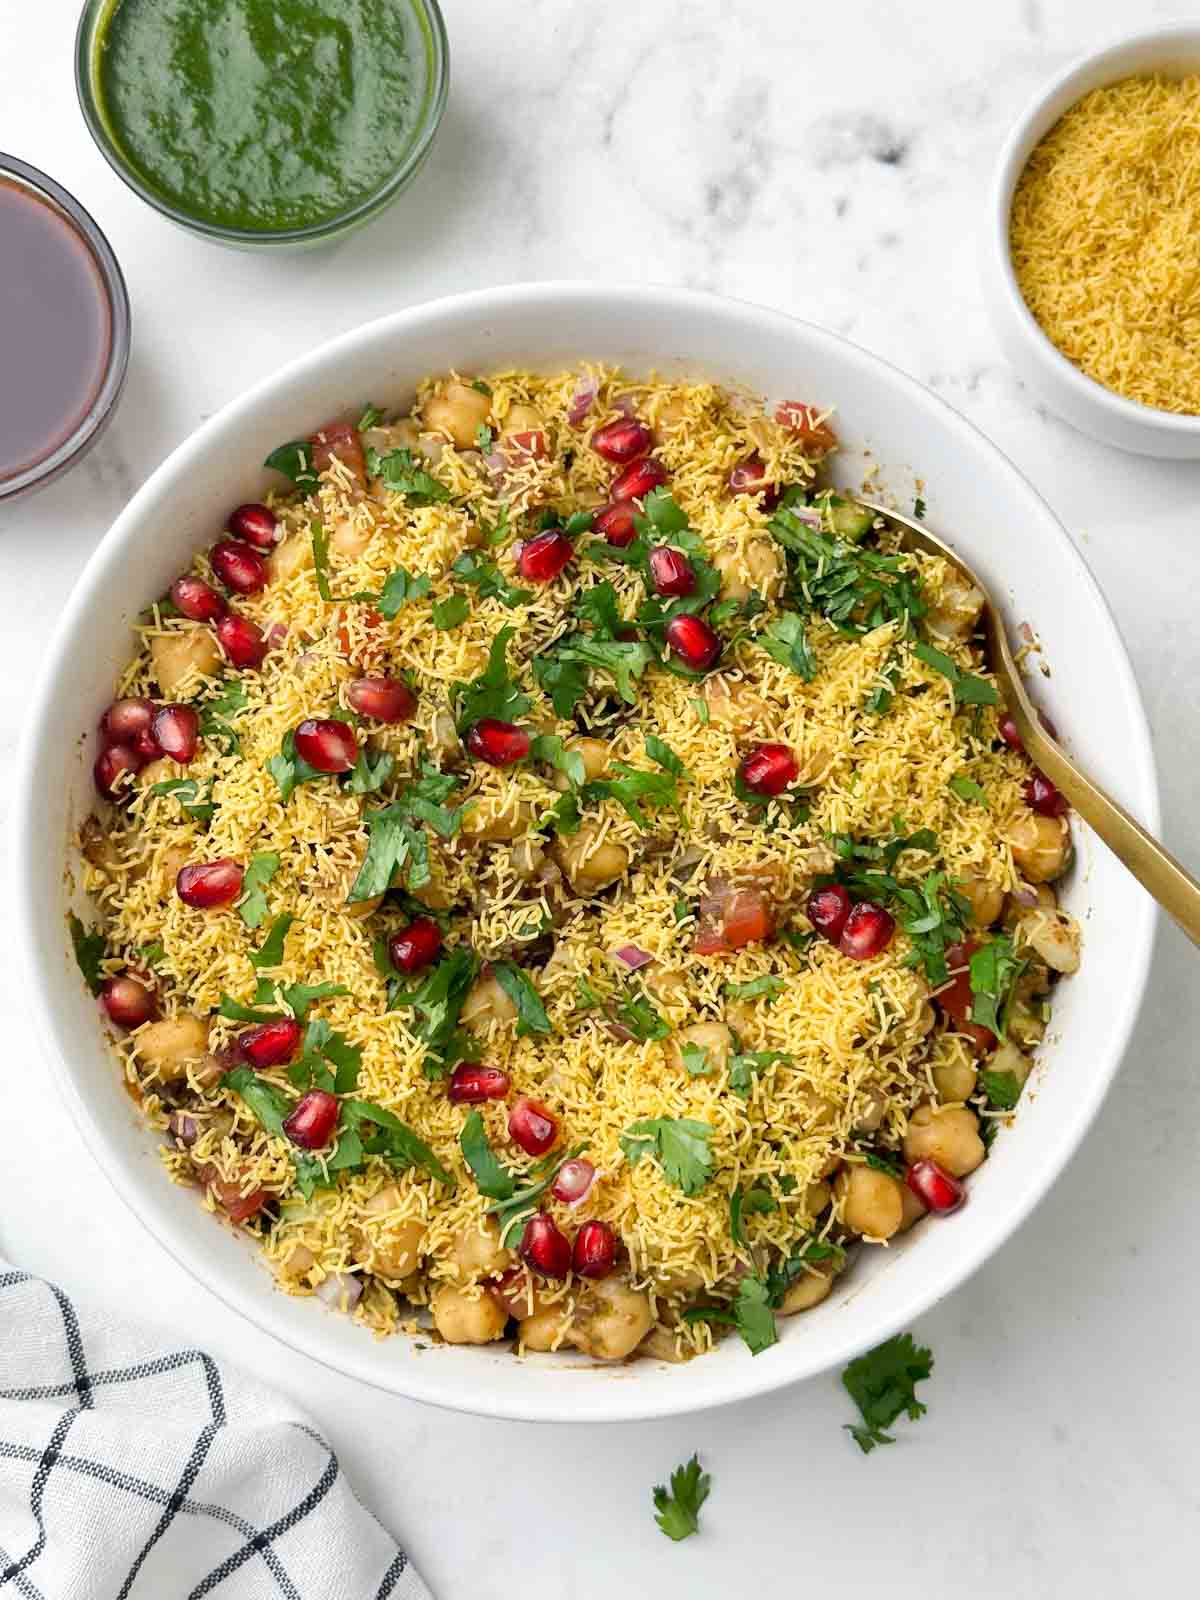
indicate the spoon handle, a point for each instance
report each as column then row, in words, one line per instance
column 1155, row 868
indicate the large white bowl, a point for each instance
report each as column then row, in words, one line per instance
column 975, row 496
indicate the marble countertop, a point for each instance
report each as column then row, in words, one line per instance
column 833, row 165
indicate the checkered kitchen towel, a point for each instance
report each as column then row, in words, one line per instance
column 131, row 1468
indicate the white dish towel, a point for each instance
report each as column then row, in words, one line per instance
column 132, row 1469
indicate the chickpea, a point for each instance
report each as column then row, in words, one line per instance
column 290, row 556
column 733, row 705
column 545, row 1329
column 589, row 860
column 522, row 419
column 160, row 771
column 985, row 898
column 914, row 1210
column 181, row 657
column 950, row 1137
column 1055, row 936
column 389, row 1245
column 714, row 1038
column 486, row 1003
column 293, row 1266
column 871, row 1111
column 457, row 410
column 955, row 1080
column 497, row 827
column 478, row 1253
column 462, row 1318
column 595, row 754
column 527, row 858
column 404, row 435
column 660, row 1345
column 815, row 761
column 1039, row 846
column 871, row 1202
column 611, row 1320
column 956, row 611
column 167, row 1046
column 759, row 570
column 99, row 847
column 669, row 988
column 808, row 1291
column 350, row 537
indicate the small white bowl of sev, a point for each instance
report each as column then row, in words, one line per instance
column 1091, row 254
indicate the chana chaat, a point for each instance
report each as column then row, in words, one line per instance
column 565, row 874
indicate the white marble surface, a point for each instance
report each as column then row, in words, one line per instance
column 830, row 161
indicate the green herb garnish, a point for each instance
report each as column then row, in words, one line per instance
column 681, row 1145
column 678, row 1513
column 252, row 906
column 882, row 1384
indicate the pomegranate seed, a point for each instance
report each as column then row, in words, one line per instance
column 828, row 909
column 545, row 1247
column 269, row 1044
column 498, row 743
column 110, row 764
column 381, row 699
column 1010, row 733
column 935, row 1187
column 146, row 747
column 750, row 477
column 635, row 481
column 671, row 571
column 769, row 768
column 867, row 931
column 197, row 600
column 255, row 524
column 595, row 1251
column 176, row 730
column 470, row 1085
column 416, row 946
column 511, row 1290
column 127, row 1002
column 622, row 441
column 695, row 643
column 312, row 1122
column 531, row 1126
column 544, row 556
column 327, row 744
column 574, row 1181
column 126, row 720
column 241, row 640
column 238, row 566
column 615, row 522
column 1042, row 796
column 207, row 884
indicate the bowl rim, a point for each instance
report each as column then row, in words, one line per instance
column 95, row 12
column 1083, row 74
column 419, row 1380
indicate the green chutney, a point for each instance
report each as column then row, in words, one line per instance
column 264, row 115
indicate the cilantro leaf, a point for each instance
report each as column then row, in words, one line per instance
column 320, row 552
column 493, row 693
column 769, row 984
column 371, row 418
column 743, row 1067
column 681, row 1145
column 299, row 996
column 695, row 1059
column 189, row 793
column 786, row 640
column 270, row 952
column 395, row 840
column 290, row 770
column 598, row 605
column 754, row 1201
column 994, row 970
column 327, row 1061
column 810, row 1254
column 252, row 906
column 882, row 1384
column 549, row 747
column 661, row 753
column 635, row 1011
column 664, row 513
column 854, row 588
column 385, row 1135
column 401, row 475
column 678, row 1513
column 217, row 712
column 437, row 1003
column 491, row 1175
column 269, row 1104
column 400, row 588
column 370, row 772
column 967, row 789
column 451, row 612
column 1002, row 1089
column 518, row 986
column 90, row 950
column 566, row 682
column 488, row 580
column 512, row 1213
column 879, row 1163
column 755, row 1316
column 624, row 659
column 969, row 690
column 294, row 460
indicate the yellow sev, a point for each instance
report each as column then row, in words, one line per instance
column 856, row 1033
column 1104, row 233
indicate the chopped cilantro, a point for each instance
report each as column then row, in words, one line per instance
column 681, row 1145
column 484, row 439
column 810, row 1254
column 252, row 906
column 90, row 951
column 1002, row 1089
column 451, row 612
column 549, row 747
column 879, row 1163
column 195, row 799
column 371, row 418
column 294, row 460
column 487, row 579
column 768, row 985
column 493, row 693
column 512, row 1211
column 743, row 1067
column 396, row 841
column 786, row 641
column 491, row 1175
column 969, row 690
column 437, row 1003
column 635, row 1011
column 882, row 1384
column 994, row 970
column 624, row 659
column 327, row 1060
column 270, row 952
column 320, row 550
column 854, row 588
column 518, row 986
column 370, row 772
column 291, row 770
column 678, row 1513
column 400, row 588
column 216, row 714
column 755, row 1201
column 967, row 789
column 401, row 475
column 695, row 1059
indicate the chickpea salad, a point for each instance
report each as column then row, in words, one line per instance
column 563, row 873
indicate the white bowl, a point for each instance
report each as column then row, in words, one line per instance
column 1086, row 404
column 975, row 496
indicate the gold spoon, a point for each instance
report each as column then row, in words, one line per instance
column 1158, row 872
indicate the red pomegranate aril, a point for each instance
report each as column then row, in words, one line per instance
column 1043, row 797
column 544, row 556
column 636, row 480
column 868, row 930
column 1010, row 733
column 416, row 946
column 112, row 761
column 238, row 566
column 125, row 720
column 312, row 1122
column 196, row 600
column 615, row 523
column 671, row 571
column 750, row 477
column 695, row 643
column 255, row 524
column 470, row 1085
column 381, row 699
column 208, row 884
column 327, row 744
column 573, row 1181
column 935, row 1187
column 769, row 768
column 241, row 640
column 531, row 1126
column 545, row 1247
column 828, row 909
column 594, row 1254
column 146, row 746
column 176, row 731
column 127, row 1002
column 269, row 1044
column 498, row 743
column 622, row 441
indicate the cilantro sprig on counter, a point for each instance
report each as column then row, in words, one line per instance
column 678, row 1512
column 882, row 1384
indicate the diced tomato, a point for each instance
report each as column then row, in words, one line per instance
column 804, row 423
column 238, row 1206
column 955, row 1000
column 340, row 441
column 366, row 643
column 530, row 444
column 730, row 917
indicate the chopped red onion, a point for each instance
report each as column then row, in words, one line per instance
column 496, row 462
column 626, row 405
column 1025, row 896
column 185, row 1129
column 633, row 957
column 341, row 1291
column 808, row 515
column 621, row 1032
column 276, row 634
column 582, row 401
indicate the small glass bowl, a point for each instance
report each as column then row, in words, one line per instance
column 91, row 22
column 95, row 419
